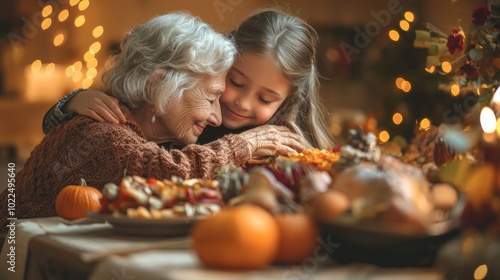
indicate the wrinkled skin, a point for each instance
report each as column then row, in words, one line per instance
column 186, row 118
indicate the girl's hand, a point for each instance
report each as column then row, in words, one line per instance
column 97, row 105
column 267, row 140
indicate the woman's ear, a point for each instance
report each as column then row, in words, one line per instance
column 156, row 77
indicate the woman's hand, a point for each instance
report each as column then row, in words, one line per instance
column 269, row 140
column 97, row 105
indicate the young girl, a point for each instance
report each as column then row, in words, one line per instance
column 274, row 81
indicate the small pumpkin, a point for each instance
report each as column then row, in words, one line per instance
column 298, row 238
column 239, row 237
column 73, row 201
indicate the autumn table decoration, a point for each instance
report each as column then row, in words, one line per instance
column 74, row 201
column 470, row 61
column 243, row 237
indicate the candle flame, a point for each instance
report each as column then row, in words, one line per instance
column 496, row 97
column 488, row 120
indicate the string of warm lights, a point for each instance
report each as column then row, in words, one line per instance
column 81, row 71
column 405, row 85
column 333, row 55
column 401, row 83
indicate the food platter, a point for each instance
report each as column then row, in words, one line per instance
column 167, row 227
column 389, row 244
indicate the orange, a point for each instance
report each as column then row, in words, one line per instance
column 240, row 237
column 298, row 238
column 330, row 205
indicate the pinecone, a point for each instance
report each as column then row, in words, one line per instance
column 428, row 147
column 442, row 152
column 358, row 139
column 359, row 147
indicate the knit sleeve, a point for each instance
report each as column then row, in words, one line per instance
column 231, row 148
column 55, row 115
column 123, row 150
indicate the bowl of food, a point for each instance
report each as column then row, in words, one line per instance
column 151, row 207
column 392, row 216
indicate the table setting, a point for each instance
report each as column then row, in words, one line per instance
column 369, row 208
column 96, row 251
column 349, row 213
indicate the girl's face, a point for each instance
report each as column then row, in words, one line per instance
column 255, row 89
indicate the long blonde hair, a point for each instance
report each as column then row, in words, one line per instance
column 291, row 43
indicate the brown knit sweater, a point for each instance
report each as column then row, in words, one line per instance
column 100, row 153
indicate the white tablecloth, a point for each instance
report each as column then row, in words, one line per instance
column 173, row 263
column 29, row 228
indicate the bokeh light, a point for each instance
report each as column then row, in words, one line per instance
column 47, row 10
column 425, row 123
column 394, row 35
column 83, row 5
column 406, row 86
column 455, row 90
column 399, row 81
column 36, row 65
column 409, row 16
column 59, row 39
column 91, row 73
column 63, row 15
column 404, row 25
column 78, row 65
column 488, row 120
column 397, row 118
column 49, row 69
column 77, row 76
column 79, row 21
column 88, row 56
column 481, row 272
column 95, row 47
column 87, row 82
column 97, row 32
column 46, row 23
column 92, row 63
column 384, row 136
column 446, row 67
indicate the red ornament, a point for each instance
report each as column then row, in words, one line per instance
column 468, row 68
column 480, row 15
column 455, row 42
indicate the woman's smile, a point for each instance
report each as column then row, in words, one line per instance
column 200, row 128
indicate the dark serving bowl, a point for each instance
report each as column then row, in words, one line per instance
column 389, row 244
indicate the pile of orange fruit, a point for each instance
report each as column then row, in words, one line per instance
column 248, row 237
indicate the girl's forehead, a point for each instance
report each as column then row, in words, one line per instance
column 261, row 71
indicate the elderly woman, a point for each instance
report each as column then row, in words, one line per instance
column 168, row 77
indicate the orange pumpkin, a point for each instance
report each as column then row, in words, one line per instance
column 298, row 238
column 240, row 237
column 73, row 202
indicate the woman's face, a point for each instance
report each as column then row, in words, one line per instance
column 197, row 108
column 255, row 89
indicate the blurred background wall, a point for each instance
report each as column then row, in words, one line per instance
column 48, row 48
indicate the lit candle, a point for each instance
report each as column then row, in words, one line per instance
column 489, row 125
column 495, row 101
column 490, row 139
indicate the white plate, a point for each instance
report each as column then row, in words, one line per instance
column 168, row 227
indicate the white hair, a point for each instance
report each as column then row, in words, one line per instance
column 186, row 49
